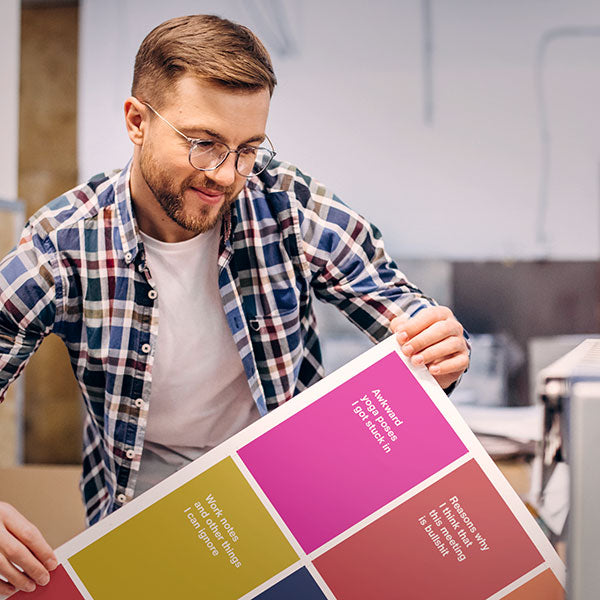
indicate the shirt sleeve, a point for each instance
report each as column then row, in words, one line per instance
column 27, row 303
column 350, row 267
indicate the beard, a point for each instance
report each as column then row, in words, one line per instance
column 170, row 196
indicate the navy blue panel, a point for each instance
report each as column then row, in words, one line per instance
column 297, row 586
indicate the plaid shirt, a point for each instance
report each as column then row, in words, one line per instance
column 79, row 271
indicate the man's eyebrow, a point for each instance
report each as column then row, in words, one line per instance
column 198, row 133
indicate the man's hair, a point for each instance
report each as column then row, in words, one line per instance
column 206, row 46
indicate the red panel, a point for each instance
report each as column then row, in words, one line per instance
column 61, row 587
column 456, row 540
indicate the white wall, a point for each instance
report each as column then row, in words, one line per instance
column 489, row 148
column 10, row 35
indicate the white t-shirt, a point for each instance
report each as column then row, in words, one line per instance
column 200, row 394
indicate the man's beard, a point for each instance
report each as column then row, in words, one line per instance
column 170, row 197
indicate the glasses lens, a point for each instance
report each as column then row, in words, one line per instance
column 252, row 161
column 207, row 154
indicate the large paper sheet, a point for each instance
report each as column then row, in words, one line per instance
column 367, row 485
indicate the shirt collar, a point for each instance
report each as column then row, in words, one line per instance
column 128, row 229
column 127, row 225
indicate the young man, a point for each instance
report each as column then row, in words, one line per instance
column 183, row 285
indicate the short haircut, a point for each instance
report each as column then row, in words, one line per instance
column 206, row 46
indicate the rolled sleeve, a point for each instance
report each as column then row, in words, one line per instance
column 27, row 305
column 351, row 268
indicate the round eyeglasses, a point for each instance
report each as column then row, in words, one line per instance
column 208, row 155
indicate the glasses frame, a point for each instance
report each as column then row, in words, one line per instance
column 195, row 141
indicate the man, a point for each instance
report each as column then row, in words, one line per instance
column 182, row 286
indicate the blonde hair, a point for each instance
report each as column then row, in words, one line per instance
column 209, row 47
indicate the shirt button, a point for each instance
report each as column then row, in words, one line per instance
column 152, row 294
column 146, row 348
column 122, row 498
column 130, row 453
column 139, row 402
column 128, row 257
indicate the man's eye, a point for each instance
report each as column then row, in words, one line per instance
column 248, row 150
column 204, row 145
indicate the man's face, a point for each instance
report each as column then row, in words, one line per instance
column 193, row 199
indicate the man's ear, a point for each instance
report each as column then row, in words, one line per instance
column 135, row 120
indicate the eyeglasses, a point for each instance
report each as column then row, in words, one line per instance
column 208, row 155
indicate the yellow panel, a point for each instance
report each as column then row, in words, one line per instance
column 210, row 538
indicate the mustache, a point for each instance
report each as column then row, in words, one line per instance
column 207, row 184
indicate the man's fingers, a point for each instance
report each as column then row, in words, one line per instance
column 440, row 351
column 435, row 338
column 19, row 580
column 20, row 555
column 453, row 365
column 30, row 537
column 433, row 334
column 6, row 588
column 408, row 329
column 23, row 548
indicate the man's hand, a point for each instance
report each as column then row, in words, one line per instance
column 434, row 338
column 22, row 545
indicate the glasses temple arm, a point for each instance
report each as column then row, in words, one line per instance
column 190, row 140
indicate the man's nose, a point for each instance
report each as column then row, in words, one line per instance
column 225, row 174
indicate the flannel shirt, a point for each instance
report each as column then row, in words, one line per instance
column 79, row 271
